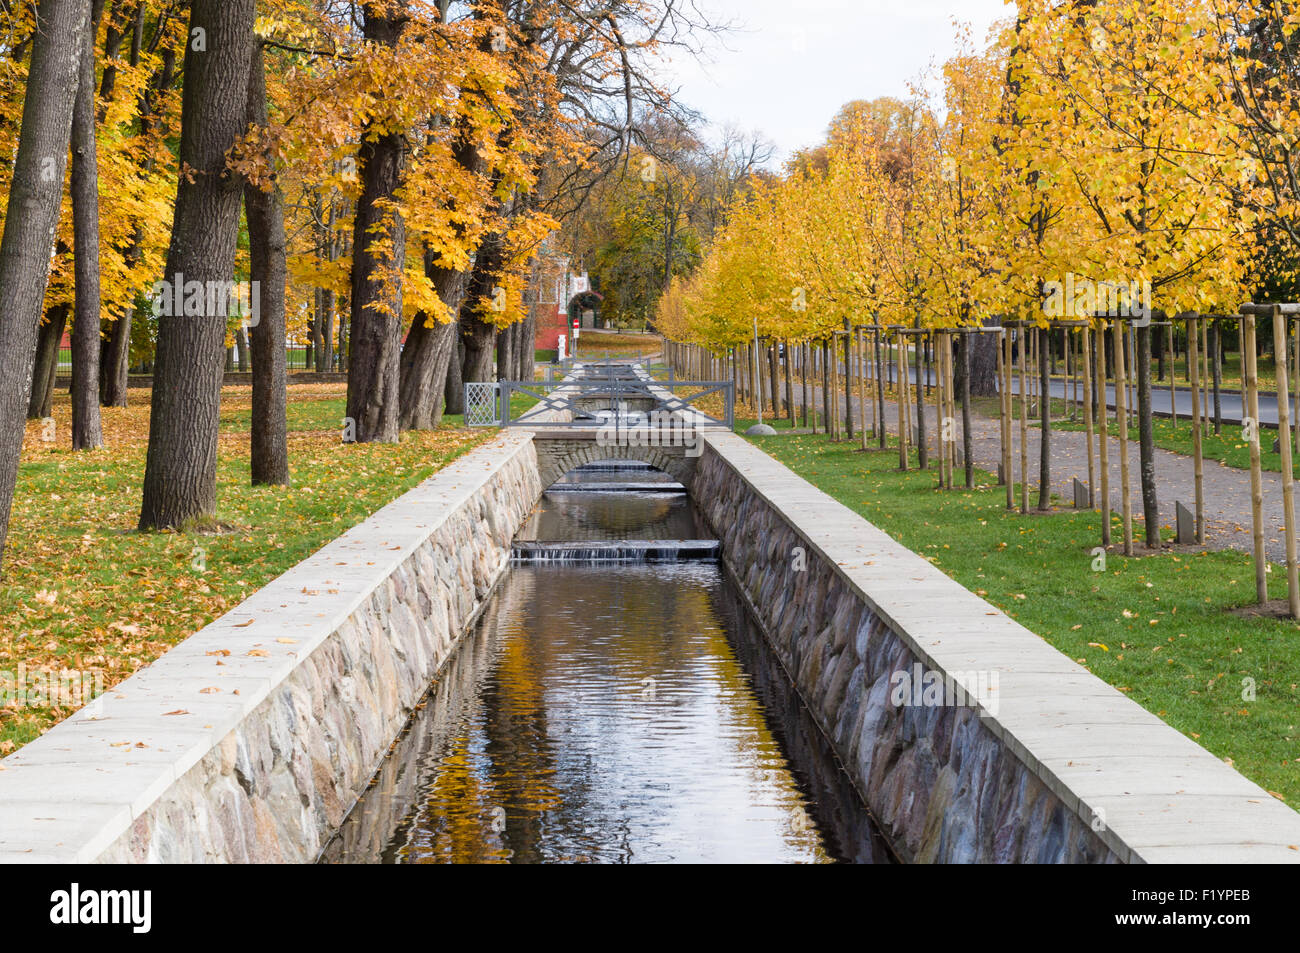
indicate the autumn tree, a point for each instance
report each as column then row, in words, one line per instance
column 35, row 197
column 180, row 482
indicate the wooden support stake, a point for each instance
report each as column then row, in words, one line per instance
column 1086, row 346
column 1121, row 394
column 1023, row 354
column 1197, row 459
column 1173, row 378
column 1288, row 474
column 1251, row 383
column 904, row 436
column 1004, row 385
column 1104, row 441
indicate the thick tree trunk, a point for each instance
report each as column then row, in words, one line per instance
column 35, row 197
column 115, row 360
column 454, row 392
column 526, row 355
column 984, row 364
column 429, row 352
column 477, row 336
column 269, row 272
column 87, row 434
column 180, row 481
column 46, row 370
column 378, row 241
column 1146, row 439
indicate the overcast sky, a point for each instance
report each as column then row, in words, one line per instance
column 791, row 64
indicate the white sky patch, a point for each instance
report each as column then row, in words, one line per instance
column 791, row 64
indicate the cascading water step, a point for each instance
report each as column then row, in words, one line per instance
column 620, row 487
column 615, row 550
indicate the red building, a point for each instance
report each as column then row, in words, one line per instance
column 562, row 295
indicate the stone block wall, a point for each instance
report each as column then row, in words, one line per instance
column 1058, row 768
column 251, row 741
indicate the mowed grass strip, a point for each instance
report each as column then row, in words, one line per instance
column 82, row 590
column 1155, row 627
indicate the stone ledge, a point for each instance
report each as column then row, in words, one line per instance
column 1164, row 798
column 248, row 755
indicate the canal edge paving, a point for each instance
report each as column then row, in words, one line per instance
column 252, row 739
column 1063, row 768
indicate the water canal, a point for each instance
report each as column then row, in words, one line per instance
column 611, row 711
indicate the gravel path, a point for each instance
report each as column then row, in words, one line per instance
column 1227, row 490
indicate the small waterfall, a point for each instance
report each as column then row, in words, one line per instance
column 615, row 551
column 621, row 487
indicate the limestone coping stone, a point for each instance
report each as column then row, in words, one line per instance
column 68, row 795
column 1162, row 797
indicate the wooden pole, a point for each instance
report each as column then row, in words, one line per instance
column 940, row 408
column 882, row 437
column 1173, row 378
column 1004, row 385
column 787, row 355
column 1205, row 375
column 803, row 381
column 1197, row 459
column 1104, row 440
column 1085, row 343
column 833, row 382
column 1288, row 474
column 1022, row 352
column 1251, row 383
column 860, row 358
column 1121, row 395
column 904, row 437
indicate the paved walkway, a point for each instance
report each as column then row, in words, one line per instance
column 1226, row 490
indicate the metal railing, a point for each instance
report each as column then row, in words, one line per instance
column 616, row 386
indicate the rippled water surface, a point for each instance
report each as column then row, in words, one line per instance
column 610, row 714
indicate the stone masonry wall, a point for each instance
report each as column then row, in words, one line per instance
column 252, row 740
column 941, row 787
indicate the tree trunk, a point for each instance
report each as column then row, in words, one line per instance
column 455, row 390
column 47, row 362
column 115, row 360
column 1146, row 439
column 180, row 481
column 984, row 364
column 268, row 272
column 429, row 352
column 35, row 197
column 87, row 434
column 378, row 242
column 527, row 348
column 477, row 336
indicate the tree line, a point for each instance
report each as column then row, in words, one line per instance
column 373, row 177
column 1140, row 153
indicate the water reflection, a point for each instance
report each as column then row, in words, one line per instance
column 601, row 716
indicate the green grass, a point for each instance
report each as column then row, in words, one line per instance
column 83, row 590
column 1154, row 627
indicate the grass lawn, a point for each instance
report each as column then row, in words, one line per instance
column 82, row 590
column 1154, row 627
column 595, row 345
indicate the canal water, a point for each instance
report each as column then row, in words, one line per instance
column 611, row 713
